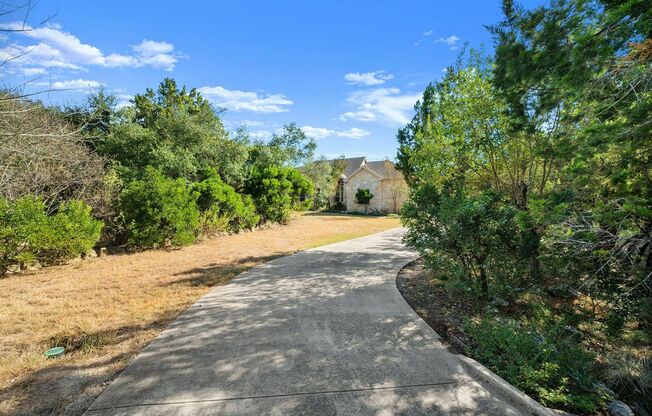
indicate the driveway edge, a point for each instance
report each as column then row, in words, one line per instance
column 487, row 376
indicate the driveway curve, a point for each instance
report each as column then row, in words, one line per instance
column 320, row 332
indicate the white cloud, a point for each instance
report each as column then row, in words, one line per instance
column 152, row 47
column 236, row 100
column 424, row 35
column 368, row 78
column 451, row 41
column 75, row 84
column 124, row 100
column 354, row 133
column 156, row 54
column 361, row 115
column 34, row 71
column 260, row 134
column 321, row 132
column 58, row 49
column 386, row 105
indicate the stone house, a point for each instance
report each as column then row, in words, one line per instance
column 385, row 183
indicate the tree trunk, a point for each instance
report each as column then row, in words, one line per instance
column 484, row 282
column 484, row 279
column 534, row 236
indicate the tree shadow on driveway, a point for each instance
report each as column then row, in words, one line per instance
column 322, row 332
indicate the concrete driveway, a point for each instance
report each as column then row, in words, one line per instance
column 321, row 332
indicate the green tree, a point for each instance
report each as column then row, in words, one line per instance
column 324, row 176
column 466, row 139
column 407, row 137
column 159, row 211
column 363, row 197
column 178, row 132
column 272, row 193
column 21, row 226
column 295, row 148
column 70, row 232
column 576, row 78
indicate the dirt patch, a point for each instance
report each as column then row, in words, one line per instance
column 444, row 312
column 105, row 310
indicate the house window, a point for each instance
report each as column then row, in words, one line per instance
column 339, row 194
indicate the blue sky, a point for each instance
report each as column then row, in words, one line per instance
column 347, row 72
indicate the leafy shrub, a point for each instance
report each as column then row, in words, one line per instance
column 276, row 191
column 28, row 234
column 363, row 197
column 302, row 190
column 21, row 224
column 338, row 206
column 476, row 237
column 221, row 207
column 554, row 373
column 70, row 232
column 159, row 211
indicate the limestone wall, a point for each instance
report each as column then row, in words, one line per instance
column 389, row 194
column 394, row 194
column 363, row 180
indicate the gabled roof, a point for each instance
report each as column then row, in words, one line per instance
column 384, row 168
column 351, row 165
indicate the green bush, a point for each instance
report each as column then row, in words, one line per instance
column 553, row 371
column 276, row 191
column 472, row 236
column 70, row 232
column 21, row 225
column 28, row 234
column 338, row 207
column 363, row 197
column 159, row 211
column 302, row 190
column 221, row 207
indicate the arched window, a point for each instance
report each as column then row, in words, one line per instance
column 339, row 194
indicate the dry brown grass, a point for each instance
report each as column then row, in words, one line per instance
column 107, row 309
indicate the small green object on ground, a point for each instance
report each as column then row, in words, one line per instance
column 54, row 352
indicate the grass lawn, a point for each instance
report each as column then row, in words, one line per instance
column 105, row 310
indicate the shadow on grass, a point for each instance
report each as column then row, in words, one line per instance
column 67, row 387
column 220, row 273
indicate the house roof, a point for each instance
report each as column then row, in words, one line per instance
column 382, row 168
column 352, row 164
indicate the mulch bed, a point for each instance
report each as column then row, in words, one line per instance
column 435, row 305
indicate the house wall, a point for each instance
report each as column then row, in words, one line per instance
column 394, row 194
column 363, row 180
column 389, row 194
